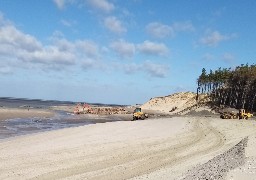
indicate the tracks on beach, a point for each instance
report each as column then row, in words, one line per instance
column 143, row 158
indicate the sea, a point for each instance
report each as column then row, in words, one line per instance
column 22, row 126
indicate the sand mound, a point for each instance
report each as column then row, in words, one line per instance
column 200, row 113
column 174, row 103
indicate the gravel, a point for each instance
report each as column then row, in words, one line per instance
column 200, row 113
column 217, row 168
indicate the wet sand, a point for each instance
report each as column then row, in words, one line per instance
column 11, row 113
column 16, row 122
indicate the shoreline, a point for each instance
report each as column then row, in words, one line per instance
column 16, row 122
column 12, row 113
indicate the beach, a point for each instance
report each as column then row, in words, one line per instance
column 157, row 148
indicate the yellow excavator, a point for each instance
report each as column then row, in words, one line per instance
column 228, row 115
column 243, row 115
column 138, row 114
column 232, row 115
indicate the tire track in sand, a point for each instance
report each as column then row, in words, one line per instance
column 145, row 158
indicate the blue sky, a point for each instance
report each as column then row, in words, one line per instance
column 119, row 51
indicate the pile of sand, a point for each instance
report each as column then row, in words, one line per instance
column 173, row 103
column 202, row 111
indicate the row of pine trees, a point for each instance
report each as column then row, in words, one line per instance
column 232, row 87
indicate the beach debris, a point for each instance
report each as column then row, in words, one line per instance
column 87, row 109
column 173, row 109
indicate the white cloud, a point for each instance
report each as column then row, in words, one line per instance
column 49, row 55
column 159, row 30
column 18, row 45
column 123, row 48
column 131, row 68
column 19, row 50
column 152, row 48
column 89, row 48
column 10, row 37
column 5, row 70
column 114, row 25
column 213, row 38
column 4, row 21
column 156, row 70
column 78, row 49
column 63, row 52
column 89, row 63
column 67, row 23
column 60, row 3
column 183, row 26
column 148, row 67
column 24, row 50
column 102, row 5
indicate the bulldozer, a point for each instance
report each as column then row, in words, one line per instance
column 232, row 115
column 229, row 115
column 138, row 114
column 243, row 115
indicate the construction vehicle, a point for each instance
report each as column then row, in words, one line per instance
column 229, row 115
column 232, row 115
column 243, row 115
column 138, row 114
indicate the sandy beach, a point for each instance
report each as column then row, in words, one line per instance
column 163, row 148
column 11, row 113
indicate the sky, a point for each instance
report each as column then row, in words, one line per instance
column 119, row 51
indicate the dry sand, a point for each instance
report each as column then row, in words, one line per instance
column 9, row 113
column 174, row 103
column 164, row 148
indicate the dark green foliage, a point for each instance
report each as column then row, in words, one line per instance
column 233, row 87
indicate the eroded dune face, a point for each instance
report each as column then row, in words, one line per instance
column 174, row 103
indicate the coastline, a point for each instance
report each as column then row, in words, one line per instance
column 21, row 121
column 54, row 143
column 11, row 113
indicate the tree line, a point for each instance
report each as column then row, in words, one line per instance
column 232, row 87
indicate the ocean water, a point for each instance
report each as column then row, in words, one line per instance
column 22, row 126
column 38, row 103
column 33, row 103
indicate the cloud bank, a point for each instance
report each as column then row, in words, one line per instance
column 26, row 51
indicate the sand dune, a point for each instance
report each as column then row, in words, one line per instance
column 173, row 103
